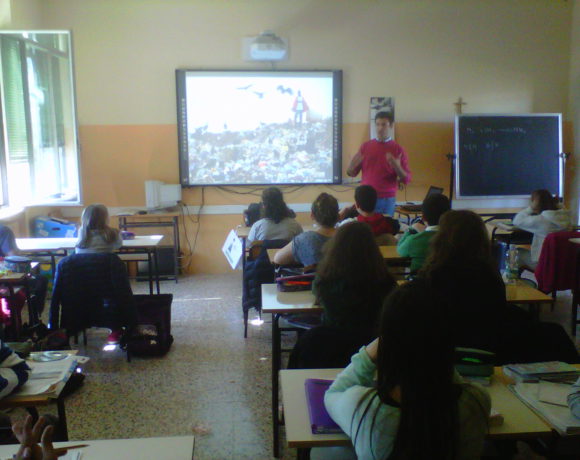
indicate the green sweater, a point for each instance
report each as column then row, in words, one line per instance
column 415, row 246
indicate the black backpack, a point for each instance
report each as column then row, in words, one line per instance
column 152, row 335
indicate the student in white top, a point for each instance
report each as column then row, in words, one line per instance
column 95, row 235
column 542, row 217
column 418, row 407
column 278, row 222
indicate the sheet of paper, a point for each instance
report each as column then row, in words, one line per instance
column 553, row 393
column 232, row 249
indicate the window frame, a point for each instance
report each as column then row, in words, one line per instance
column 72, row 125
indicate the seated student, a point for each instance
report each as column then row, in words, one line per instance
column 542, row 217
column 37, row 284
column 461, row 266
column 415, row 241
column 95, row 235
column 420, row 408
column 278, row 222
column 383, row 228
column 352, row 280
column 14, row 371
column 351, row 284
column 306, row 248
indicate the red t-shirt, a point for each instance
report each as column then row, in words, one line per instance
column 376, row 171
column 379, row 224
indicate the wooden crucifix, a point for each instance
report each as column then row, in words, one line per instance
column 458, row 105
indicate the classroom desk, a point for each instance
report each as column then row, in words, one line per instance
column 520, row 422
column 156, row 220
column 13, row 280
column 167, row 448
column 279, row 303
column 54, row 247
column 31, row 402
column 389, row 253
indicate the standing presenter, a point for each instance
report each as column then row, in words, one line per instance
column 383, row 163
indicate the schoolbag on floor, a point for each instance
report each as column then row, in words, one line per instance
column 152, row 336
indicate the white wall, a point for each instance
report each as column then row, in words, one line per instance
column 499, row 55
column 22, row 14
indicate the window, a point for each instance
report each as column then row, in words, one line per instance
column 39, row 160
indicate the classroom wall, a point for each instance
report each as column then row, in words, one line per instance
column 424, row 53
column 20, row 14
column 575, row 111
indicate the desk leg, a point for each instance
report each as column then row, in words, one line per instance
column 177, row 246
column 275, row 383
column 62, row 418
column 150, row 270
column 156, row 256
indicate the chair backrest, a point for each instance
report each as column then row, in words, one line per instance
column 556, row 269
column 91, row 290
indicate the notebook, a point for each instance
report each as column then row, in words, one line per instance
column 320, row 420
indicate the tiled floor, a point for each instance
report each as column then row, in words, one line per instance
column 213, row 382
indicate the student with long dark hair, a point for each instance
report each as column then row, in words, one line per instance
column 419, row 408
column 543, row 216
column 460, row 265
column 278, row 222
column 352, row 280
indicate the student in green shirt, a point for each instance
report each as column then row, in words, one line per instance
column 415, row 241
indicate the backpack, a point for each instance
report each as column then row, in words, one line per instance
column 152, row 334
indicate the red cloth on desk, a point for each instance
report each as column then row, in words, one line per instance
column 556, row 269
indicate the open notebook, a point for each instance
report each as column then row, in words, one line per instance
column 548, row 402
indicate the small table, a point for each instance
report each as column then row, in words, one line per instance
column 389, row 253
column 520, row 422
column 167, row 448
column 54, row 247
column 153, row 220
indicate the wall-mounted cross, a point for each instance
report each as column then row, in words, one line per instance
column 458, row 105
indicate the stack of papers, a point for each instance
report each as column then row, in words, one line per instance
column 557, row 415
column 46, row 376
column 550, row 370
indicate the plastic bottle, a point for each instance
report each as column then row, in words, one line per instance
column 511, row 272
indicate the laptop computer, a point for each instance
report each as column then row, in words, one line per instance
column 419, row 207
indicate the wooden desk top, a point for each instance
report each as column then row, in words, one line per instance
column 526, row 294
column 58, row 244
column 519, row 420
column 388, row 253
column 274, row 301
column 169, row 448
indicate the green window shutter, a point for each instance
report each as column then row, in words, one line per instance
column 14, row 105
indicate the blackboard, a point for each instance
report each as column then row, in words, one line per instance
column 507, row 155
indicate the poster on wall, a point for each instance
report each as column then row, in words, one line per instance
column 381, row 104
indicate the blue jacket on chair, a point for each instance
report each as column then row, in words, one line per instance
column 92, row 290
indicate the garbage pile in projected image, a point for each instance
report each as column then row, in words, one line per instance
column 259, row 130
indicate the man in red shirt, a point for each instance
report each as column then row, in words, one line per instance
column 383, row 163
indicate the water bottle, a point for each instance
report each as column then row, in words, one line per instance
column 511, row 265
